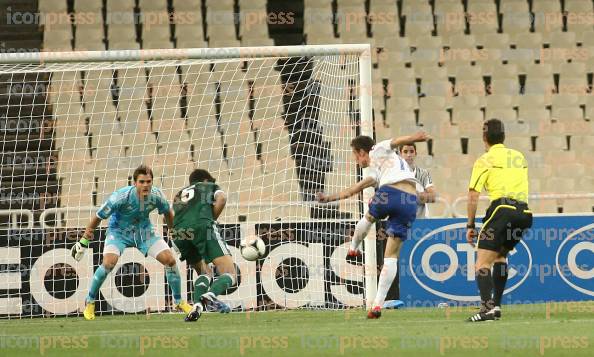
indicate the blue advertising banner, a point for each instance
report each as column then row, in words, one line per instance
column 554, row 262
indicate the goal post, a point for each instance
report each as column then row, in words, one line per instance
column 272, row 124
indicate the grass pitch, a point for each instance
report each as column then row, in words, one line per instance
column 525, row 330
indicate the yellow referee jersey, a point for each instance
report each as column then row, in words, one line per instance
column 503, row 172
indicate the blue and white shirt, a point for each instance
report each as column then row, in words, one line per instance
column 126, row 211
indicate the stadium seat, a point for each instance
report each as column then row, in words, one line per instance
column 384, row 19
column 426, row 73
column 125, row 34
column 547, row 16
column 513, row 6
column 435, row 117
column 560, row 185
column 57, row 39
column 578, row 205
column 505, row 115
column 494, row 40
column 482, row 17
column 468, row 102
column 514, row 22
column 450, row 20
column 522, row 144
column 88, row 6
column 53, row 6
column 505, row 86
column 155, row 6
column 442, row 88
column 551, row 143
column 500, row 101
column 433, row 103
column 576, row 11
column 119, row 6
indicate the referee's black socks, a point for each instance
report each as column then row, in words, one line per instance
column 485, row 285
column 499, row 280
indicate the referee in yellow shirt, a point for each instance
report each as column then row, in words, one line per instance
column 503, row 173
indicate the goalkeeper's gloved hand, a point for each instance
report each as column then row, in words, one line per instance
column 79, row 248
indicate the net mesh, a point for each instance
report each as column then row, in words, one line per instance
column 273, row 131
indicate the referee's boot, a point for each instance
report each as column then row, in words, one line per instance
column 491, row 315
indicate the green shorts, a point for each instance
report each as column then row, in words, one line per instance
column 202, row 241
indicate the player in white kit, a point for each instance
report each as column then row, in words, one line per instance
column 395, row 198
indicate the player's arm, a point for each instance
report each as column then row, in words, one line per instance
column 79, row 248
column 480, row 172
column 409, row 139
column 471, row 206
column 220, row 200
column 428, row 196
column 347, row 192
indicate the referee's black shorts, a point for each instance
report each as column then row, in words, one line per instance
column 504, row 225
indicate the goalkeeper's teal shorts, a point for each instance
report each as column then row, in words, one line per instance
column 145, row 240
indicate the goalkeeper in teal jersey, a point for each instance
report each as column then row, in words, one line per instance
column 128, row 211
column 197, row 237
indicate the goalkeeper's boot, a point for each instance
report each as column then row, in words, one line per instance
column 195, row 312
column 184, row 306
column 375, row 313
column 212, row 303
column 89, row 312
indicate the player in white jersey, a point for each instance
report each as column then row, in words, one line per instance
column 395, row 198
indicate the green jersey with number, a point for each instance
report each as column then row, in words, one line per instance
column 193, row 205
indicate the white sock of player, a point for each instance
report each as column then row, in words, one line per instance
column 385, row 281
column 361, row 230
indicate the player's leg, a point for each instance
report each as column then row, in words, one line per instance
column 522, row 220
column 114, row 247
column 387, row 275
column 204, row 280
column 161, row 251
column 402, row 209
column 218, row 252
column 490, row 249
column 377, row 211
column 361, row 229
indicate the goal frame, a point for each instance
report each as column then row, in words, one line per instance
column 366, row 125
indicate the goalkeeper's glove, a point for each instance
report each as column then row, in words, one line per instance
column 79, row 248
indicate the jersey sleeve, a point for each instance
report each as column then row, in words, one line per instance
column 161, row 202
column 372, row 172
column 480, row 173
column 217, row 190
column 109, row 206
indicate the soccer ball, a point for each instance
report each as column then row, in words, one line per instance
column 252, row 248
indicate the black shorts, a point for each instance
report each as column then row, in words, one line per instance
column 504, row 225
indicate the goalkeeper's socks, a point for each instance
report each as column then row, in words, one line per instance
column 174, row 281
column 221, row 284
column 386, row 279
column 98, row 279
column 201, row 286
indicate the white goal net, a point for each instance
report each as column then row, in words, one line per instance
column 272, row 125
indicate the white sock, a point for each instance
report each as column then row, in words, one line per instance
column 387, row 276
column 361, row 230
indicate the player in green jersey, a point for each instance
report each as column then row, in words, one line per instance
column 197, row 237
